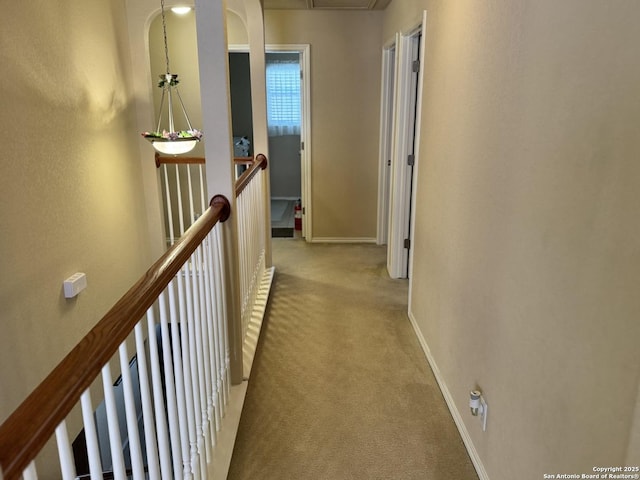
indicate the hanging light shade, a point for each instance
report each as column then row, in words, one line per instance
column 168, row 140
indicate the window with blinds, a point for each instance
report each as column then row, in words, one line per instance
column 283, row 97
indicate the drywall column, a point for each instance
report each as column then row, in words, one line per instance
column 255, row 31
column 216, row 118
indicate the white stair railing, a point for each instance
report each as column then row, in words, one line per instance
column 183, row 194
column 252, row 203
column 180, row 193
column 162, row 415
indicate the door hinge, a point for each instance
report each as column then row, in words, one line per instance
column 303, row 210
column 407, row 243
column 415, row 66
column 301, row 145
column 411, row 160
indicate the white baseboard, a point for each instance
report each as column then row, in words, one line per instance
column 221, row 454
column 343, row 240
column 255, row 324
column 464, row 433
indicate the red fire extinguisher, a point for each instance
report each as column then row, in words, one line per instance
column 297, row 215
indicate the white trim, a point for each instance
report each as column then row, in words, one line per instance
column 387, row 104
column 416, row 149
column 343, row 240
column 255, row 324
column 455, row 413
column 305, row 131
column 405, row 139
column 218, row 467
column 238, row 48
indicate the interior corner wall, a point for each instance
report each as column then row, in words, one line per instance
column 526, row 240
column 71, row 187
column 345, row 103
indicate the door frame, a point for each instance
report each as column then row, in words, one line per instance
column 304, row 50
column 387, row 109
column 408, row 103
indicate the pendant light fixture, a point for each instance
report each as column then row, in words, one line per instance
column 168, row 140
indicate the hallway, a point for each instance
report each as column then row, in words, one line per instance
column 340, row 388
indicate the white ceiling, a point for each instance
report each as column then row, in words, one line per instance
column 326, row 4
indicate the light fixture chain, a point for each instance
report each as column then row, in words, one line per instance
column 164, row 32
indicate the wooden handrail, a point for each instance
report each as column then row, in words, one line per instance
column 171, row 160
column 160, row 160
column 243, row 160
column 33, row 423
column 242, row 182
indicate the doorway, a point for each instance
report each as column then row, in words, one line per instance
column 287, row 90
column 284, row 135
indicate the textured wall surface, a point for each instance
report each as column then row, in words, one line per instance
column 526, row 236
column 70, row 189
column 345, row 104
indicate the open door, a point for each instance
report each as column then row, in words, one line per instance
column 387, row 110
column 404, row 154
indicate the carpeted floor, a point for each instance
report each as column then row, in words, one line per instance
column 340, row 388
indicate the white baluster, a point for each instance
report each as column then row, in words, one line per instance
column 218, row 283
column 203, row 353
column 222, row 274
column 115, row 440
column 170, row 389
column 29, row 473
column 169, row 205
column 158, row 399
column 67, row 465
column 153, row 466
column 180, row 212
column 179, row 381
column 211, row 330
column 242, row 234
column 202, row 383
column 192, row 211
column 215, row 287
column 203, row 197
column 91, row 437
column 187, row 373
column 135, row 450
column 195, row 368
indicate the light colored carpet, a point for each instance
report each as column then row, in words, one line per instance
column 340, row 388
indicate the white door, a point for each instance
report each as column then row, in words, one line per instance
column 404, row 154
column 387, row 109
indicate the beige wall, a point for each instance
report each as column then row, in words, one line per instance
column 345, row 104
column 344, row 140
column 526, row 235
column 70, row 183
